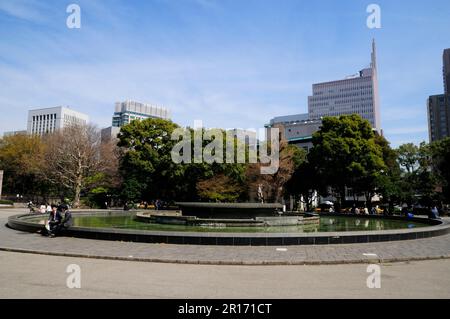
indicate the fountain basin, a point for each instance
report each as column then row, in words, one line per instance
column 269, row 221
column 229, row 210
column 114, row 225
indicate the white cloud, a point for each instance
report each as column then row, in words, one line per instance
column 29, row 10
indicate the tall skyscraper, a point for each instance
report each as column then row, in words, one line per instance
column 357, row 94
column 438, row 117
column 438, row 106
column 48, row 120
column 127, row 111
column 446, row 68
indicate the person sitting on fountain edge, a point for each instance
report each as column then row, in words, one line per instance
column 61, row 221
column 54, row 219
column 67, row 220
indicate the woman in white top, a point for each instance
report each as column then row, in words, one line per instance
column 43, row 209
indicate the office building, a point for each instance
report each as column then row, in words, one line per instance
column 109, row 133
column 127, row 111
column 48, row 120
column 296, row 129
column 290, row 119
column 446, row 71
column 438, row 108
column 357, row 94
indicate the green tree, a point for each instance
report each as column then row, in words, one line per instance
column 346, row 154
column 440, row 152
column 418, row 180
column 146, row 165
column 389, row 183
column 408, row 157
column 305, row 183
column 149, row 172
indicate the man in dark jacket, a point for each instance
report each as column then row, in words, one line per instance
column 54, row 220
column 66, row 220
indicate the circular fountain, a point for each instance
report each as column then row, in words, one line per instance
column 238, row 224
column 228, row 215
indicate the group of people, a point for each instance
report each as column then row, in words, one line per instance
column 59, row 220
column 374, row 210
column 355, row 210
column 43, row 208
column 157, row 204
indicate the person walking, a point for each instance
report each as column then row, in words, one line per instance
column 157, row 204
column 30, row 207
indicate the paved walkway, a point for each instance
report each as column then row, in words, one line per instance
column 39, row 276
column 422, row 249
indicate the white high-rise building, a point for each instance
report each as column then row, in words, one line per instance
column 357, row 94
column 127, row 111
column 48, row 120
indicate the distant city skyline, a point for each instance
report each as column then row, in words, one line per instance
column 230, row 64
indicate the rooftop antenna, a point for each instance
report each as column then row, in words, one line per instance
column 373, row 65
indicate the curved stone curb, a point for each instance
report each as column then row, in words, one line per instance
column 228, row 262
column 436, row 228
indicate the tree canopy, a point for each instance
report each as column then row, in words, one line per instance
column 345, row 154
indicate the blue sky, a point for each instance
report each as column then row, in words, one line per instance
column 230, row 63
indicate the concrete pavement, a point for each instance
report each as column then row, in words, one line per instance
column 410, row 250
column 40, row 276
